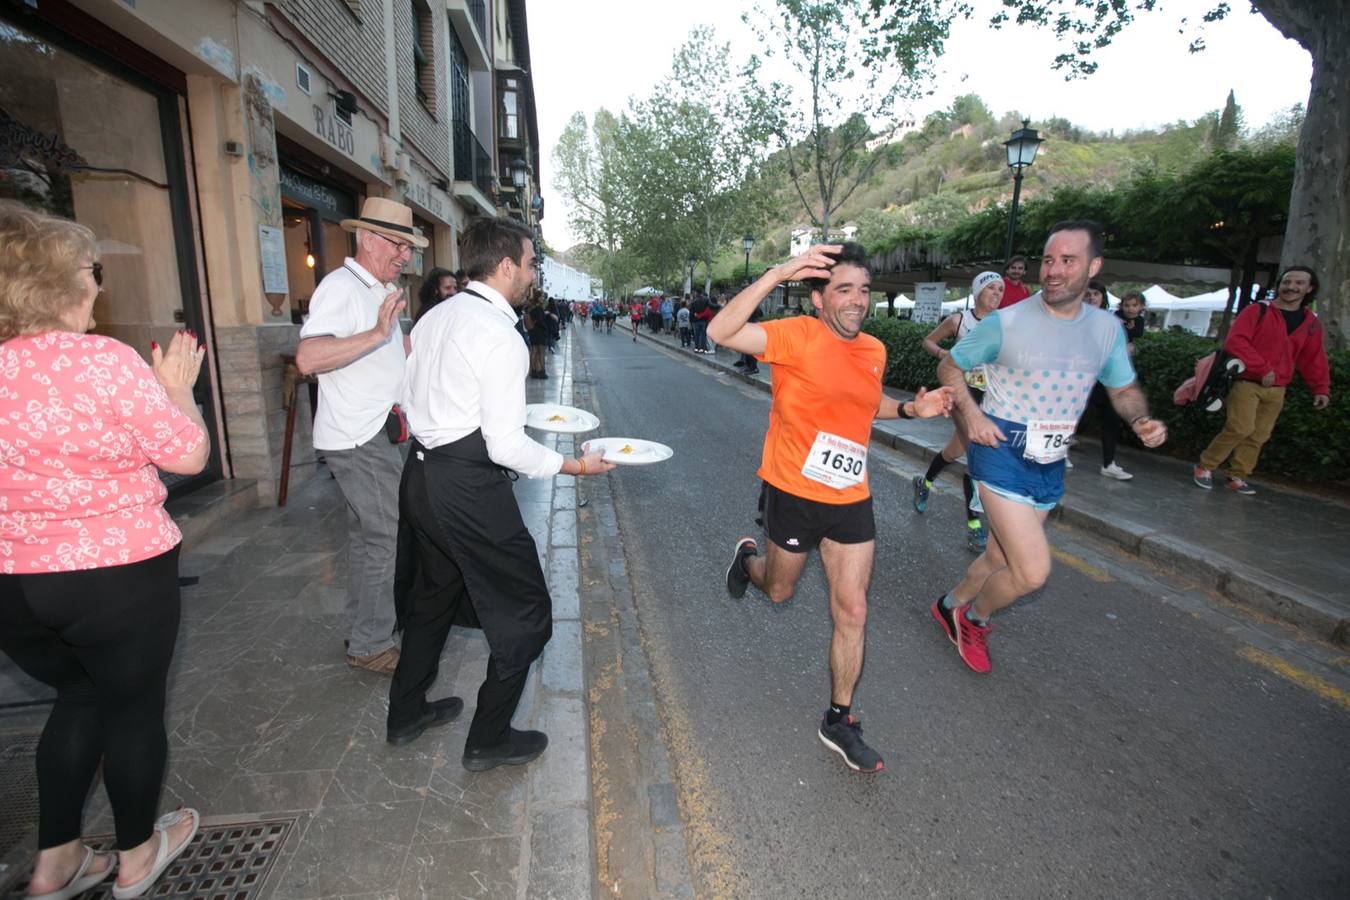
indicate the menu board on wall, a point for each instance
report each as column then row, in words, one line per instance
column 272, row 249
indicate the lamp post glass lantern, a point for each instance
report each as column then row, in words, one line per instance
column 1021, row 147
column 748, row 244
column 518, row 173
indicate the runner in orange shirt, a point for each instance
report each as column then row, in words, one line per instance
column 826, row 392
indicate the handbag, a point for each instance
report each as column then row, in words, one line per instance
column 396, row 426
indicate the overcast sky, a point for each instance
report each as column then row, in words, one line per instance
column 589, row 54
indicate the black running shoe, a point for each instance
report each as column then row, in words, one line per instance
column 845, row 738
column 737, row 578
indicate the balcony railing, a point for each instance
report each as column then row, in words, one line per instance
column 472, row 163
column 478, row 12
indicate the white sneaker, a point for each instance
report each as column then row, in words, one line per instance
column 1116, row 472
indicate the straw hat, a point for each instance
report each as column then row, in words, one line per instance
column 387, row 218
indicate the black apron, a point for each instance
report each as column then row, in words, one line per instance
column 463, row 499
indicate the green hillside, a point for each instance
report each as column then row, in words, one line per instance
column 955, row 164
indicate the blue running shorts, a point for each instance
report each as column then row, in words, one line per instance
column 1006, row 472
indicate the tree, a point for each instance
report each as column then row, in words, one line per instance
column 824, row 120
column 1228, row 127
column 698, row 146
column 587, row 173
column 915, row 32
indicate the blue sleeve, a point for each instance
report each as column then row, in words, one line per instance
column 1118, row 370
column 981, row 346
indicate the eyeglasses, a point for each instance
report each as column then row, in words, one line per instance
column 97, row 269
column 400, row 246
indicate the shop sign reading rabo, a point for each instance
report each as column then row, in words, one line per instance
column 333, row 130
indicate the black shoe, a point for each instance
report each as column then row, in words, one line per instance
column 740, row 364
column 845, row 738
column 737, row 577
column 439, row 713
column 754, row 371
column 519, row 748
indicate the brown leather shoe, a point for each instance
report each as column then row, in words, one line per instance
column 382, row 663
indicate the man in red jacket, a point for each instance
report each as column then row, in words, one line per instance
column 1272, row 340
column 1014, row 291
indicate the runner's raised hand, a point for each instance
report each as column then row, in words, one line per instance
column 814, row 263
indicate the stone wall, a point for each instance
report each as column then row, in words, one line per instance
column 251, row 374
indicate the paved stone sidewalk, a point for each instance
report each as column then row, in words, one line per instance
column 267, row 720
column 1279, row 552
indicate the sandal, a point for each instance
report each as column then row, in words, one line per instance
column 82, row 880
column 163, row 856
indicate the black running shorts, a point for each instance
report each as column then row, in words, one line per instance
column 798, row 525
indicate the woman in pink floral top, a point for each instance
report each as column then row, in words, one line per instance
column 89, row 600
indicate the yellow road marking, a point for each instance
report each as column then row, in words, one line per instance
column 1305, row 680
column 1099, row 575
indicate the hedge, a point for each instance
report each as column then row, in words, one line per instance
column 1307, row 444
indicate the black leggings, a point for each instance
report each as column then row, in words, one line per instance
column 103, row 638
column 1110, row 422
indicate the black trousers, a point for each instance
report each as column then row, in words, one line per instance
column 477, row 565
column 1100, row 401
column 103, row 638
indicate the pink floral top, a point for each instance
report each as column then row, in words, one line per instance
column 83, row 421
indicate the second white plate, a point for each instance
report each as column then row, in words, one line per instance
column 560, row 419
column 629, row 451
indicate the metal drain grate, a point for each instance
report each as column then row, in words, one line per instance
column 223, row 862
column 18, row 788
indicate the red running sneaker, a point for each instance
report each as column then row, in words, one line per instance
column 944, row 618
column 972, row 641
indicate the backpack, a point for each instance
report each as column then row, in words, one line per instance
column 1214, row 376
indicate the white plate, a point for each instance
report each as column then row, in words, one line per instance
column 641, row 453
column 560, row 419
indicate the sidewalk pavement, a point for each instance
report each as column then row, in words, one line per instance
column 1281, row 553
column 266, row 720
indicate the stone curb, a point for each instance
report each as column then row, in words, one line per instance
column 1232, row 580
column 558, row 853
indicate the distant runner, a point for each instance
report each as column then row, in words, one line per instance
column 826, row 392
column 987, row 289
column 1041, row 359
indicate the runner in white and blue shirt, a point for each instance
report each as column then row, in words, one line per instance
column 1041, row 358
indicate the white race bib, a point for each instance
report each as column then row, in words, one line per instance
column 1048, row 440
column 835, row 461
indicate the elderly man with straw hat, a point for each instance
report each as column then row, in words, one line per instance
column 353, row 342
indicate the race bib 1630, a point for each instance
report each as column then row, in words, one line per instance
column 835, row 461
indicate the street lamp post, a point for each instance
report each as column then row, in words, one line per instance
column 748, row 244
column 693, row 261
column 1021, row 149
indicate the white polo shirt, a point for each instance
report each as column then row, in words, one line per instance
column 467, row 372
column 354, row 401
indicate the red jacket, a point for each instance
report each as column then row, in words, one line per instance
column 1013, row 293
column 1261, row 342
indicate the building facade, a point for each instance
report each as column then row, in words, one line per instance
column 214, row 147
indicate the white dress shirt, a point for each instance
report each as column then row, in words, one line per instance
column 354, row 401
column 467, row 371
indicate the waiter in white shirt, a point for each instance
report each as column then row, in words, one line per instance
column 464, row 395
column 353, row 341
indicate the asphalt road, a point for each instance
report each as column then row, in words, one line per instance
column 1122, row 747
